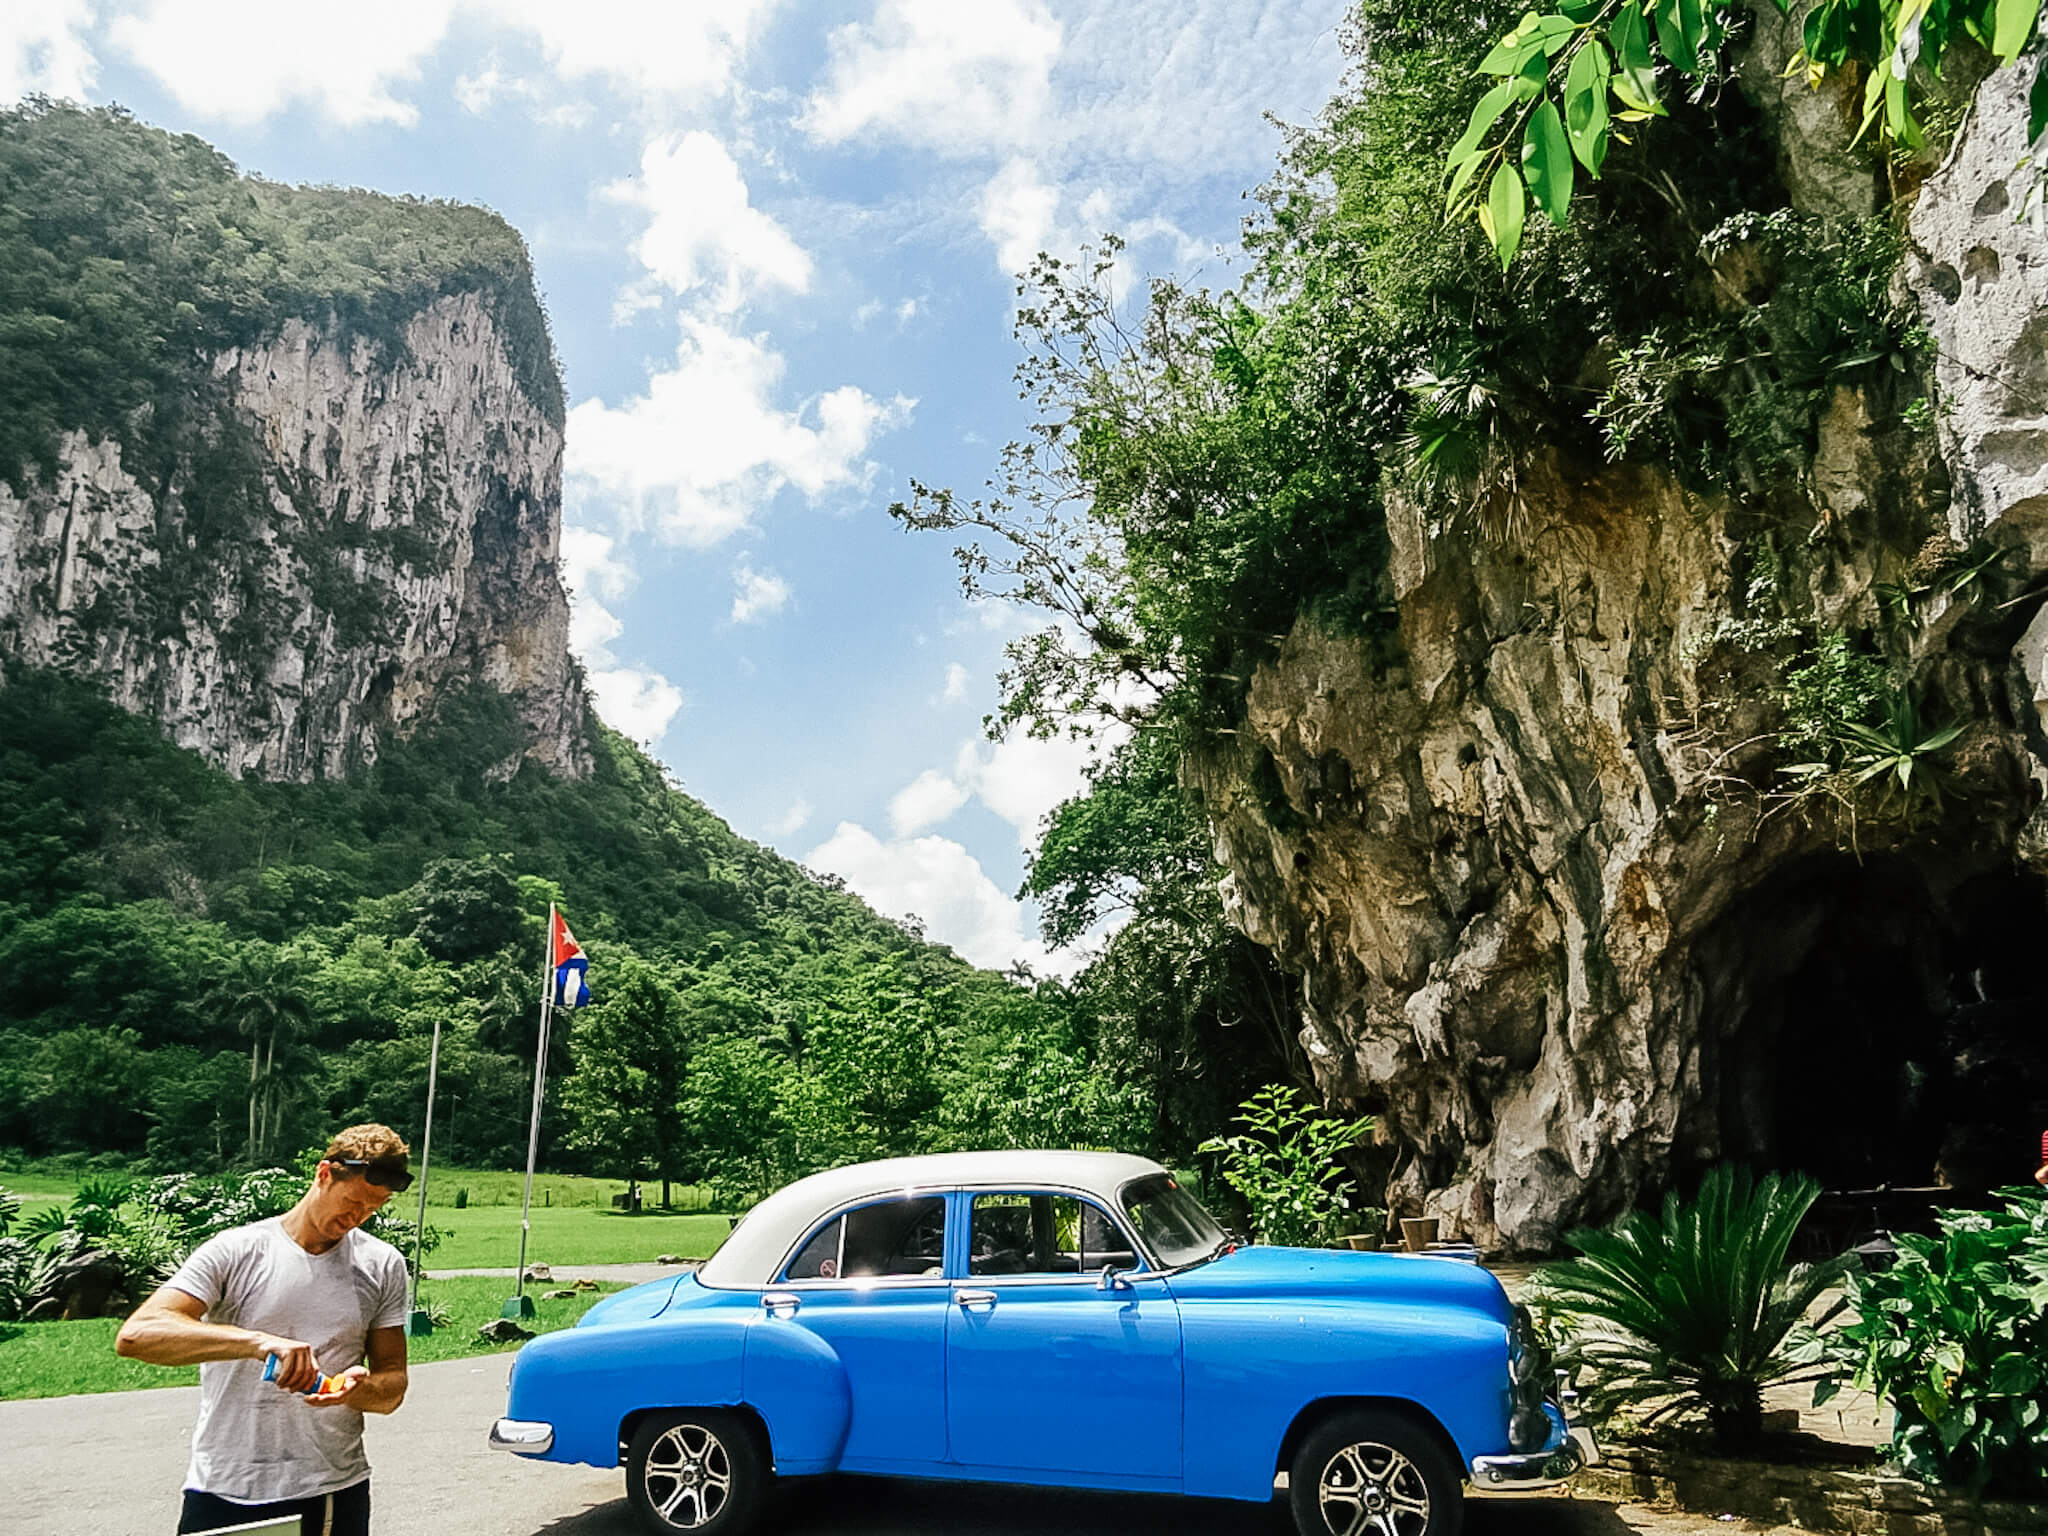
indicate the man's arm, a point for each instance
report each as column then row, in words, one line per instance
column 379, row 1386
column 171, row 1329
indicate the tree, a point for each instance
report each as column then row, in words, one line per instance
column 263, row 995
column 624, row 1100
column 465, row 909
column 1565, row 76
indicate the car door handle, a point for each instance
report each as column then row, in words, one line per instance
column 781, row 1303
column 975, row 1298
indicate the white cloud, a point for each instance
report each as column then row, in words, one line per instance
column 906, row 312
column 707, row 447
column 703, row 231
column 1018, row 210
column 1022, row 778
column 864, row 316
column 791, row 820
column 636, row 700
column 680, row 53
column 941, row 883
column 956, row 683
column 590, row 563
column 1082, row 110
column 242, row 60
column 43, row 49
column 757, row 594
column 924, row 802
column 948, row 77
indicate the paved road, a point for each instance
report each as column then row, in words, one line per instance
column 111, row 1465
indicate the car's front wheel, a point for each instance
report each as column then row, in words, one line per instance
column 694, row 1469
column 1373, row 1472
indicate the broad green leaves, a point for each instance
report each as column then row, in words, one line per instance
column 1567, row 76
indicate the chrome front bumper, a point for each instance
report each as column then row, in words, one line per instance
column 1534, row 1471
column 522, row 1437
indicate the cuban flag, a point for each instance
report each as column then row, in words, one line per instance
column 567, row 960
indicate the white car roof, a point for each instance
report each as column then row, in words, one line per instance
column 750, row 1256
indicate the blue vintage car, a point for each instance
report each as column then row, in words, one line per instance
column 1066, row 1318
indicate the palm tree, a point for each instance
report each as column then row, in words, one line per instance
column 1689, row 1311
column 263, row 994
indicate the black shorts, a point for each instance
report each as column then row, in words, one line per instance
column 346, row 1513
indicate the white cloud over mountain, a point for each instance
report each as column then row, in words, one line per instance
column 707, row 447
column 702, row 231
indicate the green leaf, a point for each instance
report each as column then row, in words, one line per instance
column 1585, row 104
column 2015, row 24
column 1506, row 206
column 2037, row 104
column 1681, row 26
column 1547, row 161
column 1635, row 81
column 1484, row 116
column 2014, row 1375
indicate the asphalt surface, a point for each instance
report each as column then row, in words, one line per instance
column 111, row 1465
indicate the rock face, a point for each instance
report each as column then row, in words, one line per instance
column 1559, row 927
column 356, row 531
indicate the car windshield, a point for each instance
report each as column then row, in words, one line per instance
column 1173, row 1221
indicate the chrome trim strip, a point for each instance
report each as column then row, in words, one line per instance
column 522, row 1437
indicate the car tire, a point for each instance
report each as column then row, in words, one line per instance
column 1374, row 1472
column 695, row 1469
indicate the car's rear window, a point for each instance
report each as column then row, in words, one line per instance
column 894, row 1237
column 1172, row 1220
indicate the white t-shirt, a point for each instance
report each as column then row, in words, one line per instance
column 255, row 1441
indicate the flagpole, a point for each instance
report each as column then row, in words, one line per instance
column 426, row 1161
column 519, row 1305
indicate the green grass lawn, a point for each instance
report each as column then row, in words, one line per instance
column 63, row 1359
column 487, row 1237
column 497, row 1186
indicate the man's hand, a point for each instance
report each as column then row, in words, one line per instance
column 344, row 1385
column 2041, row 1174
column 297, row 1370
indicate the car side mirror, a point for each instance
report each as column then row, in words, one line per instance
column 1111, row 1280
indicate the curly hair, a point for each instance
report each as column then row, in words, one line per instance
column 363, row 1142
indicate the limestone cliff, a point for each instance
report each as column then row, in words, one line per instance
column 1563, row 919
column 283, row 465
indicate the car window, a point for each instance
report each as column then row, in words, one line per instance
column 1173, row 1221
column 1043, row 1234
column 889, row 1238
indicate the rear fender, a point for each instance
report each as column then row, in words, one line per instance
column 587, row 1382
column 798, row 1385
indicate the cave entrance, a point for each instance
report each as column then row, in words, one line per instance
column 1872, row 1026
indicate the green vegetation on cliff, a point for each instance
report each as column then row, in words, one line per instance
column 130, row 256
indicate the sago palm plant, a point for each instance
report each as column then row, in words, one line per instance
column 1690, row 1311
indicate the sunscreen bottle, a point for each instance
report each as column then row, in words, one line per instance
column 327, row 1383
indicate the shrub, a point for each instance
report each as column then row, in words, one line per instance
column 1954, row 1336
column 1689, row 1312
column 1286, row 1168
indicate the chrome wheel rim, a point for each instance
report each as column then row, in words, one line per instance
column 1369, row 1489
column 688, row 1477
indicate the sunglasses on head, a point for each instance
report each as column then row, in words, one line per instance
column 384, row 1172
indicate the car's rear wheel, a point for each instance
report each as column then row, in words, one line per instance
column 694, row 1469
column 1373, row 1472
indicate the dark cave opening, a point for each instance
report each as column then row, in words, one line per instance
column 1876, row 1024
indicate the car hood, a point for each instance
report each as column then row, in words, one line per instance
column 635, row 1304
column 1304, row 1274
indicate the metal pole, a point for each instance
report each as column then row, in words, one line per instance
column 540, row 1062
column 426, row 1159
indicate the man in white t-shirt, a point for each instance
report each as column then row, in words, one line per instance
column 325, row 1301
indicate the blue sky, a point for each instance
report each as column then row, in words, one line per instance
column 778, row 243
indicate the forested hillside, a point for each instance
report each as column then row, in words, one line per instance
column 199, row 971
